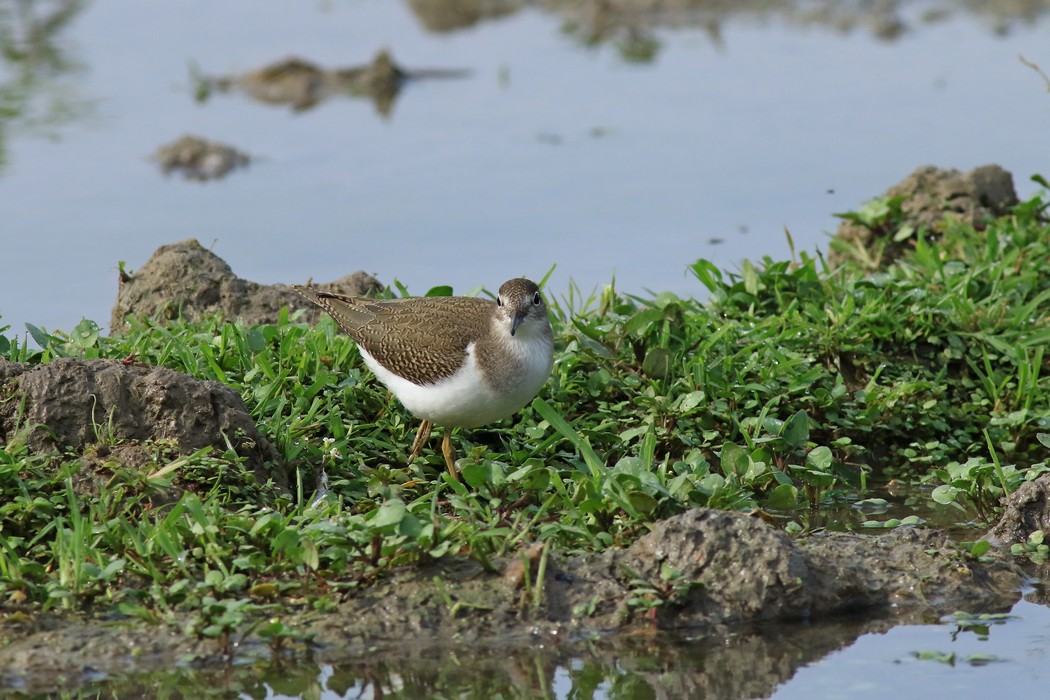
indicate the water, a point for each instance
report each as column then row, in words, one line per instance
column 935, row 661
column 847, row 658
column 552, row 152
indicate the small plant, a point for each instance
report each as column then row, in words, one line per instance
column 647, row 595
column 977, row 483
column 219, row 619
column 281, row 637
column 1035, row 549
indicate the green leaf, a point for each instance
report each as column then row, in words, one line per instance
column 642, row 320
column 708, row 274
column 945, row 494
column 750, row 275
column 390, row 513
column 595, row 465
column 642, row 502
column 657, row 363
column 795, row 429
column 735, row 459
column 980, row 547
column 256, row 340
column 688, row 402
column 820, row 458
column 783, row 497
column 483, row 473
column 443, row 290
column 40, row 337
column 310, row 557
column 85, row 334
column 112, row 568
column 903, row 233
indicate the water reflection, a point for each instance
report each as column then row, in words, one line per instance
column 729, row 663
column 600, row 21
column 37, row 92
column 303, row 85
column 847, row 657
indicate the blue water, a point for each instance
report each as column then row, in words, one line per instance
column 550, row 153
column 936, row 661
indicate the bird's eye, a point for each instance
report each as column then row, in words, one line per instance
column 499, row 301
column 536, row 299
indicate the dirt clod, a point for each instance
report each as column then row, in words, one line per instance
column 199, row 159
column 1027, row 511
column 75, row 404
column 930, row 197
column 188, row 280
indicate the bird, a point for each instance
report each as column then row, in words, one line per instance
column 456, row 362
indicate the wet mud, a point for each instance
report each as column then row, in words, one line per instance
column 302, row 85
column 199, row 159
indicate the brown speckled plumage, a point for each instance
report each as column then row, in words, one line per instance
column 423, row 339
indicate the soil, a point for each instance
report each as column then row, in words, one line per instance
column 199, row 159
column 115, row 409
column 931, row 198
column 1027, row 511
column 303, row 85
column 189, row 281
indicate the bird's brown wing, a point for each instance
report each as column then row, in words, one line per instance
column 422, row 339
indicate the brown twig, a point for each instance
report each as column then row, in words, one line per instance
column 1037, row 69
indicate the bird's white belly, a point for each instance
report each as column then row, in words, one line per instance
column 464, row 400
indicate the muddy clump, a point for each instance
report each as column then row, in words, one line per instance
column 198, row 159
column 1027, row 511
column 186, row 280
column 82, row 405
column 445, row 16
column 924, row 203
column 700, row 569
column 303, row 85
column 714, row 567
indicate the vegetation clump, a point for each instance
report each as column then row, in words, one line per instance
column 791, row 387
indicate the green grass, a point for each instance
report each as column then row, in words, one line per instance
column 790, row 387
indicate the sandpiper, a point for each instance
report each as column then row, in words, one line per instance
column 457, row 362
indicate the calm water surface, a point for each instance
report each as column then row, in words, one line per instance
column 553, row 152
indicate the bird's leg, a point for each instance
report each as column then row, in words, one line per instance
column 450, row 454
column 422, row 435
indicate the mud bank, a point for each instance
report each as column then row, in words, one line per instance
column 703, row 570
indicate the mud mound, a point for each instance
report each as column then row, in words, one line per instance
column 700, row 569
column 75, row 404
column 737, row 568
column 1027, row 510
column 187, row 280
column 930, row 197
column 199, row 159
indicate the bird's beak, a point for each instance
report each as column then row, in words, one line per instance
column 516, row 321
